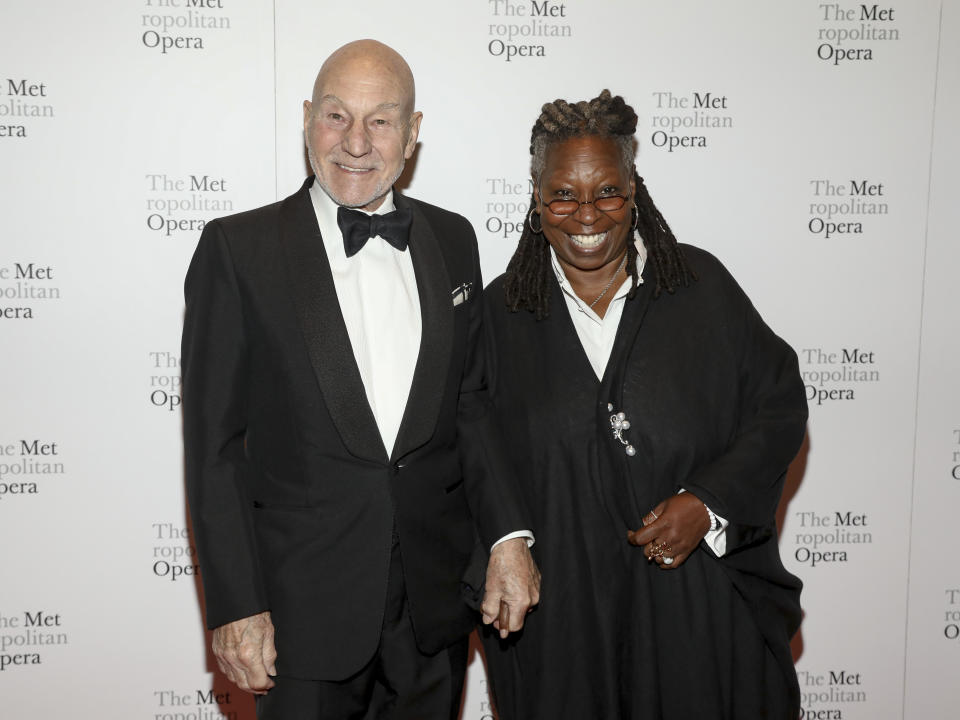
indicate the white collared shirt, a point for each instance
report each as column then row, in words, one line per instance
column 597, row 335
column 377, row 290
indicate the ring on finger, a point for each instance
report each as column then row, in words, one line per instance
column 667, row 560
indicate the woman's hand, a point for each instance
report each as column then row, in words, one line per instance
column 672, row 530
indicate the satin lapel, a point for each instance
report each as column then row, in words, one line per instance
column 324, row 331
column 436, row 338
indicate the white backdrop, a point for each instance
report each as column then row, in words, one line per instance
column 811, row 146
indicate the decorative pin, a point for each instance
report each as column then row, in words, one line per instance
column 618, row 424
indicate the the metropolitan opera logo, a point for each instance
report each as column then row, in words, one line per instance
column 694, row 119
column 25, row 286
column 24, row 465
column 196, row 705
column 838, row 208
column 526, row 29
column 179, row 206
column 173, row 25
column 955, row 455
column 851, row 32
column 164, row 384
column 828, row 537
column 837, row 374
column 22, row 100
column 174, row 556
column 826, row 695
column 505, row 207
column 27, row 637
column 951, row 628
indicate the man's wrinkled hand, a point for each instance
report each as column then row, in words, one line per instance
column 512, row 587
column 246, row 654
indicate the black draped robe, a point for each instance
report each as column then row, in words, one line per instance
column 716, row 407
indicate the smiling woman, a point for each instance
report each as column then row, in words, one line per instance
column 591, row 143
column 589, row 237
column 651, row 415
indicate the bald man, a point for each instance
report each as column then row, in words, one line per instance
column 348, row 495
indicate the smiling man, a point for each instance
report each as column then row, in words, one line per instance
column 344, row 479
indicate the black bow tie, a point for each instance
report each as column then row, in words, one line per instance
column 358, row 227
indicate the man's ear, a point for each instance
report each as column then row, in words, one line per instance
column 413, row 132
column 307, row 114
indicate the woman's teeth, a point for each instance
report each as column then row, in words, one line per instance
column 588, row 241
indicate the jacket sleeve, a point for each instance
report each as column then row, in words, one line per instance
column 489, row 478
column 744, row 484
column 215, row 377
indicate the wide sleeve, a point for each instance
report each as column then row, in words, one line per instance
column 215, row 387
column 493, row 493
column 744, row 483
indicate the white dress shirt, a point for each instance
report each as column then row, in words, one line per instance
column 597, row 335
column 377, row 291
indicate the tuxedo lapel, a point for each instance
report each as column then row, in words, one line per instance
column 436, row 338
column 324, row 331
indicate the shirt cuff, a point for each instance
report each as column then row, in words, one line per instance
column 519, row 533
column 716, row 540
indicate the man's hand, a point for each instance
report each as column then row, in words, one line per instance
column 512, row 587
column 245, row 653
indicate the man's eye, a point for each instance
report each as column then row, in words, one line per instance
column 380, row 121
column 336, row 117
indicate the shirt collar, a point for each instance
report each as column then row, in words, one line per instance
column 326, row 211
column 326, row 208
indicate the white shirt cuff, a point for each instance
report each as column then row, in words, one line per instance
column 716, row 540
column 519, row 533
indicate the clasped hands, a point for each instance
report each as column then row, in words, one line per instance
column 672, row 530
column 246, row 654
column 512, row 588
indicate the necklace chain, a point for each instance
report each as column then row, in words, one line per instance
column 610, row 281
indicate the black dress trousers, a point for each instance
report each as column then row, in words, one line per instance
column 399, row 682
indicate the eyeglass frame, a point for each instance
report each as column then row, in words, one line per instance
column 580, row 204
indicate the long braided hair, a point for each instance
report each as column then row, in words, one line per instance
column 527, row 281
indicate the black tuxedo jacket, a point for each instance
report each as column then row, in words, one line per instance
column 293, row 498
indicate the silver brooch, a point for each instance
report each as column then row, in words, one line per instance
column 618, row 424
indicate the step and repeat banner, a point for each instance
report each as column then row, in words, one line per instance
column 811, row 146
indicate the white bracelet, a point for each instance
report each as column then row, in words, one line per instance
column 714, row 522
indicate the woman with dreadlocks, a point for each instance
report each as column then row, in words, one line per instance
column 651, row 415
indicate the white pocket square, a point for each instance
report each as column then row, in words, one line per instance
column 461, row 293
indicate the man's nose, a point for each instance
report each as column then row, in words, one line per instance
column 357, row 140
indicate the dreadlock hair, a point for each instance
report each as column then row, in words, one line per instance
column 527, row 281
